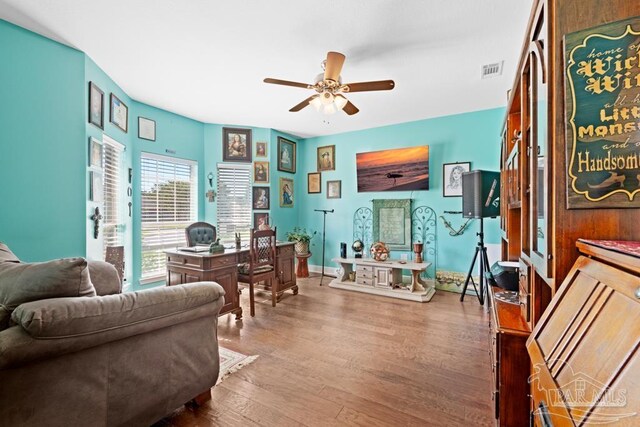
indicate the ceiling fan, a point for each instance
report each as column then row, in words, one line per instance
column 330, row 89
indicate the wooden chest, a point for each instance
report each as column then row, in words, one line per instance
column 585, row 351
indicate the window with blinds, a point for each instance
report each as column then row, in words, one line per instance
column 234, row 201
column 112, row 225
column 169, row 204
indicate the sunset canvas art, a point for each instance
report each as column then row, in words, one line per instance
column 401, row 169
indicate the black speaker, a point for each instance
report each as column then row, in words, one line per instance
column 480, row 194
column 343, row 250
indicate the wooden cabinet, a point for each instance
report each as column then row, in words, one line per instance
column 585, row 346
column 286, row 270
column 508, row 353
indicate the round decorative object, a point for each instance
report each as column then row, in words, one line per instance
column 379, row 251
column 357, row 246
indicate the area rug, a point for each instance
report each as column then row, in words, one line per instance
column 230, row 362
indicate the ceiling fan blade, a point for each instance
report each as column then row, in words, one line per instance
column 333, row 67
column 303, row 104
column 370, row 86
column 350, row 109
column 287, row 83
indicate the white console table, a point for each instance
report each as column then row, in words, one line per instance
column 383, row 278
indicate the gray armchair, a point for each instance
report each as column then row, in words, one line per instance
column 108, row 360
column 200, row 233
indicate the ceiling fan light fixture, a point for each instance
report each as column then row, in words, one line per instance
column 329, row 109
column 340, row 101
column 316, row 103
column 326, row 98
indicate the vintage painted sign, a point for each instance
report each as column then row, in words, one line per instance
column 603, row 116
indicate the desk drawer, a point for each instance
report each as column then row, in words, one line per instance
column 364, row 269
column 365, row 274
column 363, row 281
column 185, row 260
column 221, row 261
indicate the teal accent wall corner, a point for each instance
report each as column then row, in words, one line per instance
column 457, row 138
column 42, row 146
column 285, row 218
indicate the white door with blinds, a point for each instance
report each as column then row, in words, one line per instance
column 234, row 201
column 169, row 203
column 112, row 212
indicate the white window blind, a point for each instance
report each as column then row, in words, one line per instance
column 234, row 202
column 112, row 226
column 169, row 204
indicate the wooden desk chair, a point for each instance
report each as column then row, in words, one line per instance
column 262, row 264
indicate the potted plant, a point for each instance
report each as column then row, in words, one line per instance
column 302, row 239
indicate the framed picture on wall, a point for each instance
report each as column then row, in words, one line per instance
column 95, row 186
column 286, row 155
column 334, row 189
column 261, row 172
column 236, row 145
column 146, row 129
column 261, row 149
column 452, row 178
column 260, row 219
column 261, row 198
column 286, row 193
column 96, row 106
column 327, row 158
column 119, row 114
column 95, row 153
column 314, row 183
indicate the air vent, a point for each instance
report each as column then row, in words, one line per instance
column 492, row 70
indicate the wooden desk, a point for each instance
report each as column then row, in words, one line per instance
column 188, row 267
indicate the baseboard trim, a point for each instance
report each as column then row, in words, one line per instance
column 328, row 271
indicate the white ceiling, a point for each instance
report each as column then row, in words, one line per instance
column 206, row 59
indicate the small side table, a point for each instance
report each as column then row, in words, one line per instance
column 302, row 270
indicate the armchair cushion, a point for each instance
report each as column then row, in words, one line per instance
column 6, row 255
column 105, row 278
column 25, row 282
column 68, row 317
column 245, row 268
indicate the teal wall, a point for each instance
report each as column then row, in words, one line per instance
column 44, row 133
column 283, row 218
column 42, row 149
column 286, row 218
column 458, row 138
column 183, row 138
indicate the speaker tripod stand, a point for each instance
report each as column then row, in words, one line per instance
column 481, row 253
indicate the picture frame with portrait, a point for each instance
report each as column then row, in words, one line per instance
column 261, row 149
column 261, row 198
column 327, row 158
column 286, row 193
column 96, row 189
column 334, row 189
column 261, row 172
column 119, row 114
column 286, row 155
column 314, row 183
column 95, row 153
column 260, row 220
column 452, row 178
column 96, row 106
column 236, row 145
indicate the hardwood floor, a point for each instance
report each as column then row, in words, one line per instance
column 329, row 357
